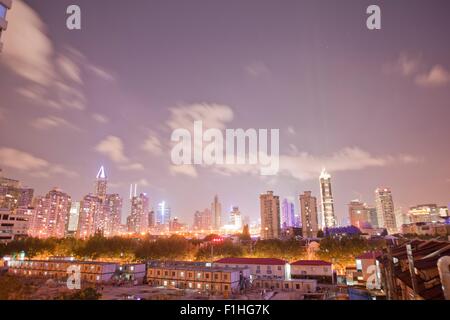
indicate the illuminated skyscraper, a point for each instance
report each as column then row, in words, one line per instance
column 308, row 209
column 163, row 214
column 359, row 214
column 287, row 214
column 385, row 209
column 101, row 184
column 91, row 211
column 216, row 210
column 52, row 215
column 270, row 215
column 113, row 214
column 137, row 221
column 327, row 202
column 4, row 6
column 74, row 215
column 236, row 218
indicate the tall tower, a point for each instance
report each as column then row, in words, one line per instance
column 287, row 214
column 308, row 209
column 137, row 221
column 216, row 211
column 385, row 209
column 100, row 184
column 327, row 202
column 270, row 215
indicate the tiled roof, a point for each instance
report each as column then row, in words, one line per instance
column 270, row 261
column 311, row 263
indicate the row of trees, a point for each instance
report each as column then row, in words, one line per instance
column 338, row 250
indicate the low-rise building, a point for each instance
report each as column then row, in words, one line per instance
column 13, row 225
column 215, row 280
column 320, row 270
column 259, row 267
column 426, row 229
column 135, row 272
column 90, row 271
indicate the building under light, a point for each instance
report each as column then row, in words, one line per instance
column 308, row 209
column 327, row 201
column 385, row 209
column 5, row 5
column 270, row 216
column 163, row 214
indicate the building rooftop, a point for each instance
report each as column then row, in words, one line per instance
column 311, row 263
column 267, row 261
column 370, row 255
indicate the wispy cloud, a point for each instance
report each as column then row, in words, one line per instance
column 187, row 170
column 23, row 161
column 100, row 118
column 113, row 148
column 50, row 122
column 152, row 144
column 257, row 69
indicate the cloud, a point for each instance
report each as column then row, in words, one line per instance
column 187, row 170
column 101, row 73
column 152, row 145
column 438, row 76
column 69, row 68
column 304, row 166
column 53, row 77
column 23, row 161
column 50, row 122
column 257, row 69
column 113, row 148
column 100, row 118
column 212, row 115
column 291, row 130
column 413, row 67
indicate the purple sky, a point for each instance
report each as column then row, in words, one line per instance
column 371, row 106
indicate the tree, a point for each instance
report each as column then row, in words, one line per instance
column 83, row 294
column 245, row 235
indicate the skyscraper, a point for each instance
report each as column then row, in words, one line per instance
column 4, row 6
column 385, row 209
column 308, row 209
column 359, row 214
column 327, row 202
column 270, row 215
column 203, row 220
column 113, row 214
column 236, row 218
column 101, row 184
column 373, row 218
column 216, row 210
column 137, row 221
column 91, row 213
column 287, row 214
column 74, row 215
column 162, row 214
column 53, row 214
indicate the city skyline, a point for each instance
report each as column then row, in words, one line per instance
column 307, row 83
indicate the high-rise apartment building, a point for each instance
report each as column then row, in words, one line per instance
column 137, row 221
column 327, row 201
column 52, row 215
column 203, row 220
column 74, row 215
column 91, row 212
column 5, row 5
column 308, row 211
column 359, row 214
column 216, row 210
column 270, row 215
column 236, row 218
column 385, row 209
column 373, row 217
column 113, row 214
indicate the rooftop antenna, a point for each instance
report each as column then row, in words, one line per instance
column 135, row 190
column 131, row 191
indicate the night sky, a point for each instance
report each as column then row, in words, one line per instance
column 373, row 107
